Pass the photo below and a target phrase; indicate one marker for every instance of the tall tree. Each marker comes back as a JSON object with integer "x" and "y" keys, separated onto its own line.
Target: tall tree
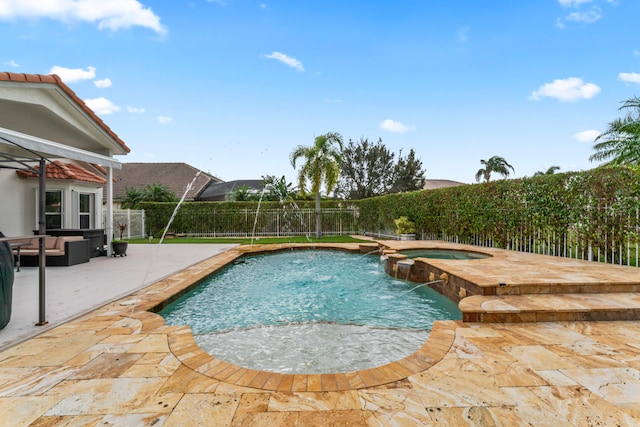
{"x": 321, "y": 167}
{"x": 408, "y": 174}
{"x": 620, "y": 143}
{"x": 366, "y": 171}
{"x": 495, "y": 164}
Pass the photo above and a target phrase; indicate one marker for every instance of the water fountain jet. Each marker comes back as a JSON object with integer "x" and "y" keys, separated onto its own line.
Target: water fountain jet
{"x": 255, "y": 220}
{"x": 166, "y": 229}
{"x": 424, "y": 284}
{"x": 444, "y": 277}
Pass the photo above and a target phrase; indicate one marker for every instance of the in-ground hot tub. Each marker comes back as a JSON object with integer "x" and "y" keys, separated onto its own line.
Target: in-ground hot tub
{"x": 440, "y": 253}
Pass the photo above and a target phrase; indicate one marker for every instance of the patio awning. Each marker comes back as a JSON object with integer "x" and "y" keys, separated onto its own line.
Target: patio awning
{"x": 53, "y": 149}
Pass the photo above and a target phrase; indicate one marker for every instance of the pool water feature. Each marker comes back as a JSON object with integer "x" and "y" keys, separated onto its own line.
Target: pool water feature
{"x": 309, "y": 311}
{"x": 443, "y": 254}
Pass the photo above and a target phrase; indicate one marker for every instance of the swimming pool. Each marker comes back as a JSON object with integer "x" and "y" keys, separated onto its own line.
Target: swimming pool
{"x": 309, "y": 311}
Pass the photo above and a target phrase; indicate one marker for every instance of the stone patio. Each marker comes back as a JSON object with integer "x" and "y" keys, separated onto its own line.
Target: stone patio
{"x": 121, "y": 365}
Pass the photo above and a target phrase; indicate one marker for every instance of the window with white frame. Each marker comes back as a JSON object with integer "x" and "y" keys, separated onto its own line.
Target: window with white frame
{"x": 54, "y": 209}
{"x": 85, "y": 210}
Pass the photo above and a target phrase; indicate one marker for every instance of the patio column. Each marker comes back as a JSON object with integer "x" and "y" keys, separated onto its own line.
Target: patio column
{"x": 109, "y": 224}
{"x": 42, "y": 230}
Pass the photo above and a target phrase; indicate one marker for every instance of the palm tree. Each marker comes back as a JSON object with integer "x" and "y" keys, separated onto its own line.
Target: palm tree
{"x": 321, "y": 166}
{"x": 155, "y": 192}
{"x": 278, "y": 189}
{"x": 132, "y": 198}
{"x": 242, "y": 193}
{"x": 549, "y": 171}
{"x": 621, "y": 141}
{"x": 495, "y": 164}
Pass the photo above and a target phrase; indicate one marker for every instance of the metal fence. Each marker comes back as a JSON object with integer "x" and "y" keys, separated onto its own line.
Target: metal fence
{"x": 264, "y": 222}
{"x": 597, "y": 233}
{"x": 135, "y": 220}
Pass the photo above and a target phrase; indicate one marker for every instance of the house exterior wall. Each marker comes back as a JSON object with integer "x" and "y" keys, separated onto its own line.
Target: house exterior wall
{"x": 14, "y": 208}
{"x": 19, "y": 202}
{"x": 45, "y": 117}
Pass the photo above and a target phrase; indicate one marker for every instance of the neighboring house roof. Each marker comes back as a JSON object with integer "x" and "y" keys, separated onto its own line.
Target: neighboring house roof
{"x": 217, "y": 191}
{"x": 432, "y": 184}
{"x": 42, "y": 122}
{"x": 59, "y": 170}
{"x": 176, "y": 176}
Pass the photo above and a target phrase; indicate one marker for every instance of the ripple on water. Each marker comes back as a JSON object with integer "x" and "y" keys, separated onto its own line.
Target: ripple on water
{"x": 317, "y": 348}
{"x": 309, "y": 312}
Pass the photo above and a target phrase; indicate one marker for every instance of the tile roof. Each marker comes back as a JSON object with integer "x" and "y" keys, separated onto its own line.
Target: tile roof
{"x": 432, "y": 184}
{"x": 176, "y": 176}
{"x": 217, "y": 191}
{"x": 56, "y": 80}
{"x": 59, "y": 170}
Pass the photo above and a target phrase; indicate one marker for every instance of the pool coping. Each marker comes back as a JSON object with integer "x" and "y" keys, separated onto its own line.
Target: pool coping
{"x": 113, "y": 365}
{"x": 182, "y": 344}
{"x": 185, "y": 349}
{"x": 562, "y": 276}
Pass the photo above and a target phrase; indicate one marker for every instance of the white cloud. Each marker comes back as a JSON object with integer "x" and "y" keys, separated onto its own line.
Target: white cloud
{"x": 570, "y": 89}
{"x": 393, "y": 126}
{"x": 164, "y": 120}
{"x": 108, "y": 14}
{"x": 263, "y": 6}
{"x": 629, "y": 77}
{"x": 11, "y": 63}
{"x": 636, "y": 52}
{"x": 102, "y": 83}
{"x": 291, "y": 62}
{"x": 134, "y": 109}
{"x": 588, "y": 17}
{"x": 102, "y": 106}
{"x": 586, "y": 135}
{"x": 573, "y": 3}
{"x": 72, "y": 75}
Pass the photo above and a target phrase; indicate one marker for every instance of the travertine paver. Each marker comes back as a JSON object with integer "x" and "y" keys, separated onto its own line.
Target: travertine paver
{"x": 120, "y": 365}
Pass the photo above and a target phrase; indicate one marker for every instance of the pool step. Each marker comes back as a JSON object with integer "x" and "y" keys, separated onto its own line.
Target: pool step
{"x": 600, "y": 287}
{"x": 550, "y": 307}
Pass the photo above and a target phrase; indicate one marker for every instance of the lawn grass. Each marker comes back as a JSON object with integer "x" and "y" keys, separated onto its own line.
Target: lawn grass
{"x": 248, "y": 240}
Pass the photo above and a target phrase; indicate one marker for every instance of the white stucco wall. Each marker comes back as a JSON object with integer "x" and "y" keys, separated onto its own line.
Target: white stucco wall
{"x": 14, "y": 209}
{"x": 18, "y": 202}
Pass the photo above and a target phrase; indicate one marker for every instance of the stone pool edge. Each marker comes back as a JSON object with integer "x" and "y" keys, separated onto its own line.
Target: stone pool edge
{"x": 183, "y": 346}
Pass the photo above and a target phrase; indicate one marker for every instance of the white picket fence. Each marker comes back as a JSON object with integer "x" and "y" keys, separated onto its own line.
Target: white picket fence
{"x": 135, "y": 220}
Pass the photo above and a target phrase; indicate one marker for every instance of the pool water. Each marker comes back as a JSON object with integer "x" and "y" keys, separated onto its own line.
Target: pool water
{"x": 443, "y": 254}
{"x": 309, "y": 312}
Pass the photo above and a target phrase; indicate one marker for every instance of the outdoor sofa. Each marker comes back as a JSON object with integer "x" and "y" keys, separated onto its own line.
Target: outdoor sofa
{"x": 59, "y": 251}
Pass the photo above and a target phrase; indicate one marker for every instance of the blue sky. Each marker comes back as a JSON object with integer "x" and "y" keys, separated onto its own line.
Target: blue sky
{"x": 232, "y": 87}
